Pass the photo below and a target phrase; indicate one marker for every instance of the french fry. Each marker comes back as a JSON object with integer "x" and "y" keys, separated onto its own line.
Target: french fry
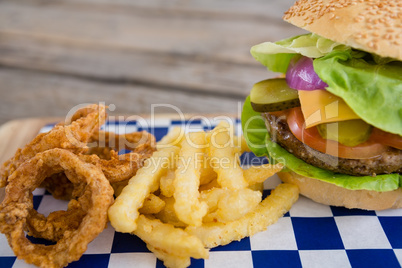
{"x": 211, "y": 197}
{"x": 152, "y": 205}
{"x": 212, "y": 184}
{"x": 266, "y": 213}
{"x": 169, "y": 260}
{"x": 170, "y": 240}
{"x": 123, "y": 214}
{"x": 223, "y": 158}
{"x": 187, "y": 205}
{"x": 226, "y": 205}
{"x": 234, "y": 204}
{"x": 172, "y": 138}
{"x": 257, "y": 187}
{"x": 207, "y": 173}
{"x": 168, "y": 214}
{"x": 258, "y": 174}
{"x": 167, "y": 183}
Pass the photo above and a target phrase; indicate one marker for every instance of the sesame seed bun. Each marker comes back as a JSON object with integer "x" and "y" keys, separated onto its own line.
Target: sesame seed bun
{"x": 374, "y": 26}
{"x": 330, "y": 194}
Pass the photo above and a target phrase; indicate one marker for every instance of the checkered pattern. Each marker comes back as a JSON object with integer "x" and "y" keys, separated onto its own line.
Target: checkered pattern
{"x": 309, "y": 235}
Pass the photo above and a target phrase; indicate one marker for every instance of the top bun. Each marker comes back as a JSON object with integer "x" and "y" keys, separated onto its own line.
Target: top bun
{"x": 371, "y": 25}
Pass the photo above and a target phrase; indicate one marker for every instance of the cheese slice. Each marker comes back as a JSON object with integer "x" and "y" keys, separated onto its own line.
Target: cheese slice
{"x": 321, "y": 106}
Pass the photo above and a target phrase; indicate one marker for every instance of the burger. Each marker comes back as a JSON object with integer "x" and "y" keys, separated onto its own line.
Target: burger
{"x": 333, "y": 118}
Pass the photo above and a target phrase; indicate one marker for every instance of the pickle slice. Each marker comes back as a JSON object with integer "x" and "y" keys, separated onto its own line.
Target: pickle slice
{"x": 349, "y": 132}
{"x": 273, "y": 95}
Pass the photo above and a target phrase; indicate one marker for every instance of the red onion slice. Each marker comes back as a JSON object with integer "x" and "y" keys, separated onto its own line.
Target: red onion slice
{"x": 301, "y": 75}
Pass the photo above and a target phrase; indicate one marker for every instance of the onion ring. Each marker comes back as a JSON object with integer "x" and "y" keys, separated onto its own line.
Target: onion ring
{"x": 54, "y": 226}
{"x": 122, "y": 167}
{"x": 73, "y": 136}
{"x": 59, "y": 186}
{"x": 97, "y": 196}
{"x": 129, "y": 141}
{"x": 56, "y": 223}
{"x": 117, "y": 168}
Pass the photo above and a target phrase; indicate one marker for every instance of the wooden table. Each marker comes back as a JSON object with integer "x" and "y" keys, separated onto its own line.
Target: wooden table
{"x": 192, "y": 55}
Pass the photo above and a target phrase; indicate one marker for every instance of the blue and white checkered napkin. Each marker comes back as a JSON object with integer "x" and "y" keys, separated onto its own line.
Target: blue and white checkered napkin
{"x": 309, "y": 235}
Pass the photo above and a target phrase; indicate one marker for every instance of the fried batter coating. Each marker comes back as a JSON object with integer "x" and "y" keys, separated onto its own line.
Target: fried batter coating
{"x": 73, "y": 136}
{"x": 117, "y": 168}
{"x": 87, "y": 214}
{"x": 122, "y": 167}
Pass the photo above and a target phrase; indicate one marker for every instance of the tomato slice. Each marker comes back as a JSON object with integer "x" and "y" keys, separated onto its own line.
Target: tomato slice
{"x": 387, "y": 138}
{"x": 312, "y": 138}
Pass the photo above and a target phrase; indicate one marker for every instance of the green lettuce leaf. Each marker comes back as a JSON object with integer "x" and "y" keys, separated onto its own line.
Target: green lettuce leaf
{"x": 353, "y": 75}
{"x": 276, "y": 56}
{"x": 356, "y": 76}
{"x": 257, "y": 139}
{"x": 254, "y": 129}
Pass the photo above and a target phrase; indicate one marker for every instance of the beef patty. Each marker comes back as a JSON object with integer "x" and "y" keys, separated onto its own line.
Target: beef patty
{"x": 388, "y": 162}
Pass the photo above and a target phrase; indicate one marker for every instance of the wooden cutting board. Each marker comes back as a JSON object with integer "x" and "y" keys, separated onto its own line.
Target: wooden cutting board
{"x": 16, "y": 133}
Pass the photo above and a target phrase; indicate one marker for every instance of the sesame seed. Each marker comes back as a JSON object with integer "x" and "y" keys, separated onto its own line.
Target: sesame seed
{"x": 357, "y": 19}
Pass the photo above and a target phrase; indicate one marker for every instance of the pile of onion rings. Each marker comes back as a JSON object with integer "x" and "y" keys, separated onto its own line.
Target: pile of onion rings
{"x": 62, "y": 161}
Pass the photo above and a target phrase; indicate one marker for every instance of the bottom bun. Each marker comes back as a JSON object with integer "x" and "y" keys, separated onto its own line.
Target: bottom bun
{"x": 330, "y": 194}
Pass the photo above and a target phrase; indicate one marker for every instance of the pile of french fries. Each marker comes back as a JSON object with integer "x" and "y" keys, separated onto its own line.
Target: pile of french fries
{"x": 193, "y": 195}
